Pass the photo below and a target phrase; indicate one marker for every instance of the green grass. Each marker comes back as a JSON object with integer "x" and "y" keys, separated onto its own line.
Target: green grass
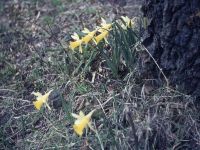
{"x": 126, "y": 116}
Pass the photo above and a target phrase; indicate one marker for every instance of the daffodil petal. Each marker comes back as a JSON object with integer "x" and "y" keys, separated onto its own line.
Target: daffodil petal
{"x": 123, "y": 18}
{"x": 106, "y": 26}
{"x": 75, "y": 36}
{"x": 48, "y": 106}
{"x": 81, "y": 114}
{"x": 37, "y": 94}
{"x": 80, "y": 49}
{"x": 49, "y": 92}
{"x": 44, "y": 98}
{"x": 75, "y": 116}
{"x": 91, "y": 113}
{"x": 85, "y": 30}
{"x": 128, "y": 21}
{"x": 103, "y": 21}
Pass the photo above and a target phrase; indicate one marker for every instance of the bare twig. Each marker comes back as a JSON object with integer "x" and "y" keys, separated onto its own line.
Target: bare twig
{"x": 161, "y": 71}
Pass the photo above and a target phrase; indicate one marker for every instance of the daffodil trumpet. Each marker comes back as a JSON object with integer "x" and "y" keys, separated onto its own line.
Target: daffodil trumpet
{"x": 89, "y": 35}
{"x": 77, "y": 42}
{"x": 101, "y": 36}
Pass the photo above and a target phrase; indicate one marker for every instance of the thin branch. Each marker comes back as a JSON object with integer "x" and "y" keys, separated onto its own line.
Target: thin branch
{"x": 167, "y": 81}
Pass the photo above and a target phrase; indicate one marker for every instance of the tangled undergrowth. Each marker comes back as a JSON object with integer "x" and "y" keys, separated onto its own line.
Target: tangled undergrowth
{"x": 122, "y": 111}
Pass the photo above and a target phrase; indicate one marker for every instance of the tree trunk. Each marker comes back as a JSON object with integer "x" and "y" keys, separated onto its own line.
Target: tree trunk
{"x": 172, "y": 37}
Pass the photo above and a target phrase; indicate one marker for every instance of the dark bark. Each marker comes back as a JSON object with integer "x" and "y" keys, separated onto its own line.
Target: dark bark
{"x": 173, "y": 38}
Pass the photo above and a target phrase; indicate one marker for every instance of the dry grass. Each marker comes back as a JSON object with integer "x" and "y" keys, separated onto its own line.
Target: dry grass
{"x": 128, "y": 116}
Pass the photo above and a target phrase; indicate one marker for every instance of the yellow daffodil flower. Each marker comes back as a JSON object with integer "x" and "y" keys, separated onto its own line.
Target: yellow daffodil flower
{"x": 104, "y": 30}
{"x": 41, "y": 99}
{"x": 105, "y": 26}
{"x": 76, "y": 43}
{"x": 89, "y": 35}
{"x": 82, "y": 122}
{"x": 101, "y": 36}
{"x": 128, "y": 22}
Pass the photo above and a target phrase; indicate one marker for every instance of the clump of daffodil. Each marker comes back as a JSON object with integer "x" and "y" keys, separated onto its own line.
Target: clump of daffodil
{"x": 127, "y": 21}
{"x": 82, "y": 121}
{"x": 103, "y": 30}
{"x": 41, "y": 99}
{"x": 76, "y": 43}
{"x": 89, "y": 35}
